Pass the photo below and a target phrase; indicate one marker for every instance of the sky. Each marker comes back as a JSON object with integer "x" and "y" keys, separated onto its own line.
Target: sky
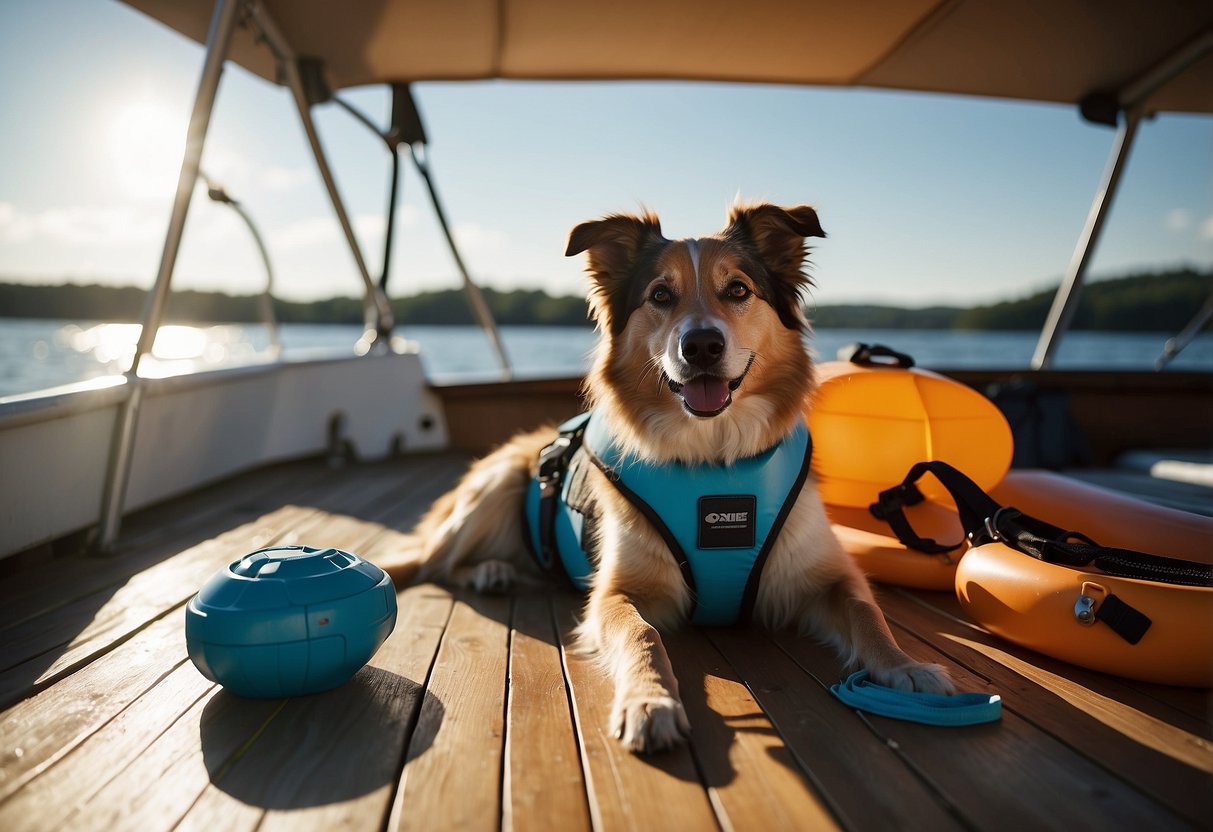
{"x": 927, "y": 199}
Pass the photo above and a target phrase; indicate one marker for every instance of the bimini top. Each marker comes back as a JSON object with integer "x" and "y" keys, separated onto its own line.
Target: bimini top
{"x": 1066, "y": 51}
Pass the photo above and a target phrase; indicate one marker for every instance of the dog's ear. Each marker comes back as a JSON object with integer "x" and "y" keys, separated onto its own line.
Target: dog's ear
{"x": 775, "y": 237}
{"x": 618, "y": 247}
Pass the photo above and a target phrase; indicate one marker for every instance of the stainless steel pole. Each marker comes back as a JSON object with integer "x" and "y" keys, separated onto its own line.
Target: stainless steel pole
{"x": 1132, "y": 99}
{"x": 480, "y": 307}
{"x": 218, "y": 38}
{"x": 378, "y": 311}
{"x": 1065, "y": 302}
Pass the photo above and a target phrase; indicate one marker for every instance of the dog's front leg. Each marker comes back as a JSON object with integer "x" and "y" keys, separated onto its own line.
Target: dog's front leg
{"x": 862, "y": 626}
{"x": 647, "y": 714}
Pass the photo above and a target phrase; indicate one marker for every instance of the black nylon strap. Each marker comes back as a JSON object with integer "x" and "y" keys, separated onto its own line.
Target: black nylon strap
{"x": 752, "y": 583}
{"x": 984, "y": 520}
{"x": 1127, "y": 622}
{"x": 554, "y": 461}
{"x": 671, "y": 542}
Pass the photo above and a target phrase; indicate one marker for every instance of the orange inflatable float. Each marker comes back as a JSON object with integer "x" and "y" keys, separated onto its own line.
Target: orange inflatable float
{"x": 1060, "y": 610}
{"x": 872, "y": 417}
{"x": 1102, "y": 603}
{"x": 1142, "y": 616}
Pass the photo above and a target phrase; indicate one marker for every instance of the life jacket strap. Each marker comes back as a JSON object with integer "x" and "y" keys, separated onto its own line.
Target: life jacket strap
{"x": 554, "y": 461}
{"x": 985, "y": 521}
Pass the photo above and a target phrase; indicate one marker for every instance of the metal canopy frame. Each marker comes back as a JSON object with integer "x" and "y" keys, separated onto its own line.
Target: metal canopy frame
{"x": 1130, "y": 102}
{"x": 227, "y": 15}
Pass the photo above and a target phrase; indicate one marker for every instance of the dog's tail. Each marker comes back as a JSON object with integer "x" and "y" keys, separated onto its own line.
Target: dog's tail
{"x": 480, "y": 520}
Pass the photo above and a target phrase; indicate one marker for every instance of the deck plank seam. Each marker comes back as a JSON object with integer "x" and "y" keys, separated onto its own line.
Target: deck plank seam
{"x": 42, "y": 684}
{"x": 894, "y": 748}
{"x": 503, "y": 809}
{"x": 718, "y": 808}
{"x": 1129, "y": 684}
{"x": 1028, "y": 719}
{"x": 391, "y": 818}
{"x": 112, "y": 775}
{"x": 595, "y": 814}
{"x": 71, "y": 745}
{"x": 806, "y": 770}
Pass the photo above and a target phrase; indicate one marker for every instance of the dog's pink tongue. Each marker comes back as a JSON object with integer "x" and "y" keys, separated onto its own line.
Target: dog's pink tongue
{"x": 706, "y": 394}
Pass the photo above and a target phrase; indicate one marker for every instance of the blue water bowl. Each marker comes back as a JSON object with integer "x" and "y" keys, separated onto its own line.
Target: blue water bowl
{"x": 289, "y": 620}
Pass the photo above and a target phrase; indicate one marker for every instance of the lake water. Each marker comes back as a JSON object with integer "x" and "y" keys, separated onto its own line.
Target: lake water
{"x": 37, "y": 354}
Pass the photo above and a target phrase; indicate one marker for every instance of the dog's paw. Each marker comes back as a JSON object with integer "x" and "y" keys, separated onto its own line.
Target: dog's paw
{"x": 647, "y": 724}
{"x": 925, "y": 678}
{"x": 490, "y": 576}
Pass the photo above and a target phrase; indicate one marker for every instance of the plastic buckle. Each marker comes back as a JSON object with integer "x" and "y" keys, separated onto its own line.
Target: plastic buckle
{"x": 990, "y": 528}
{"x": 1084, "y": 610}
{"x": 1087, "y": 605}
{"x": 894, "y": 499}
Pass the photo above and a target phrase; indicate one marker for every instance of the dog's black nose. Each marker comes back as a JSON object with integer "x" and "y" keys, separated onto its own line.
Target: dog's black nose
{"x": 702, "y": 347}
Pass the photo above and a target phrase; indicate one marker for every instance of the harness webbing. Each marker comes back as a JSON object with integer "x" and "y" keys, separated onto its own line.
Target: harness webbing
{"x": 718, "y": 523}
{"x": 986, "y": 521}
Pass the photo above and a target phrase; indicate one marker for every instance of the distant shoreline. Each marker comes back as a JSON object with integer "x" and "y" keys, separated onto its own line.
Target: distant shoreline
{"x": 1162, "y": 302}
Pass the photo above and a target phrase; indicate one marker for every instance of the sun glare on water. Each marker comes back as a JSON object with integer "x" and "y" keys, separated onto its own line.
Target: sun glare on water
{"x": 178, "y": 349}
{"x": 146, "y": 144}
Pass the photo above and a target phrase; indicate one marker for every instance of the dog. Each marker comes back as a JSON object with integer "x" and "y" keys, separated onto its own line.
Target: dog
{"x": 702, "y": 362}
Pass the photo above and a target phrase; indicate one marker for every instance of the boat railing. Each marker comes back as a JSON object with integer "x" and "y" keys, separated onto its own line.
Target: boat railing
{"x": 1123, "y": 107}
{"x": 377, "y": 336}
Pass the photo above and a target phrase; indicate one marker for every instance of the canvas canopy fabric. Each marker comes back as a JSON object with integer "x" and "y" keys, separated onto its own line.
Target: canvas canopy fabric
{"x": 1041, "y": 50}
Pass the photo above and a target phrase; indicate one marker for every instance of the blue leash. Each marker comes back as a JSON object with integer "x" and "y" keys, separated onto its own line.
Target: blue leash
{"x": 927, "y": 708}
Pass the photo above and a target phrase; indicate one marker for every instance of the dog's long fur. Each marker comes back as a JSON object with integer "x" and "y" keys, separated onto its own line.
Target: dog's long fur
{"x": 722, "y": 312}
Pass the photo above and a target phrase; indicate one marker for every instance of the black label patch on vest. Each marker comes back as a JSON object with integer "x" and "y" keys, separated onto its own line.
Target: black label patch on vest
{"x": 727, "y": 522}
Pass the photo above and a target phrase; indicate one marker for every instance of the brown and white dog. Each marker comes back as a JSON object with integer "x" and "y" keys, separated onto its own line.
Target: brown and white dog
{"x": 702, "y": 358}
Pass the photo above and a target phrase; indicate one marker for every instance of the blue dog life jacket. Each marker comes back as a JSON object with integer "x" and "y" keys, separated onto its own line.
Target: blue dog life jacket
{"x": 719, "y": 522}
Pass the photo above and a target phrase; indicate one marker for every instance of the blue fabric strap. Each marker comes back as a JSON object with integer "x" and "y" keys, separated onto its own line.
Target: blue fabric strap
{"x": 927, "y": 708}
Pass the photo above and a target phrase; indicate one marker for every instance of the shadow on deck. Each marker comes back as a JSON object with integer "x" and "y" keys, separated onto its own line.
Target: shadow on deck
{"x": 477, "y": 714}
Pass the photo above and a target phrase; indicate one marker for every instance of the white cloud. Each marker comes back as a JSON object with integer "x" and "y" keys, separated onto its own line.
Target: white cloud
{"x": 325, "y": 231}
{"x": 14, "y": 228}
{"x": 305, "y": 233}
{"x": 476, "y": 240}
{"x": 1178, "y": 220}
{"x": 82, "y": 225}
{"x": 284, "y": 179}
{"x": 1206, "y": 228}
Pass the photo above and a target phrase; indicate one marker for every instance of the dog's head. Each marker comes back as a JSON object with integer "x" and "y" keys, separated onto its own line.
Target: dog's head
{"x": 702, "y": 355}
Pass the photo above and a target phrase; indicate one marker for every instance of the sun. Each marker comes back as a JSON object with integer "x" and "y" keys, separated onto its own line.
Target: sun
{"x": 146, "y": 144}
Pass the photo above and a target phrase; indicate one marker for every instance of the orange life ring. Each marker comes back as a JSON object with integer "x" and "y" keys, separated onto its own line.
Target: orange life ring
{"x": 1032, "y": 603}
{"x": 871, "y": 422}
{"x": 884, "y": 558}
{"x": 1037, "y": 605}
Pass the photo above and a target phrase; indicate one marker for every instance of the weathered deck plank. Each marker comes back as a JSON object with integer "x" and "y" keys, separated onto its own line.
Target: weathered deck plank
{"x": 476, "y": 713}
{"x": 452, "y": 773}
{"x": 627, "y": 791}
{"x": 1069, "y": 791}
{"x": 753, "y": 779}
{"x": 1159, "y": 757}
{"x": 836, "y": 750}
{"x": 544, "y": 787}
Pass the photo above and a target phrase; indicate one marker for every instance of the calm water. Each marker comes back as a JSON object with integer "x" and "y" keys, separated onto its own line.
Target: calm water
{"x": 38, "y": 354}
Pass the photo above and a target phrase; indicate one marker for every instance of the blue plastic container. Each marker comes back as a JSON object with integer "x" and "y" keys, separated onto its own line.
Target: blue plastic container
{"x": 289, "y": 620}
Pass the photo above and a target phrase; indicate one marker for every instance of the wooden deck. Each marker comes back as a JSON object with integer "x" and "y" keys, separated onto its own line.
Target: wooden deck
{"x": 474, "y": 715}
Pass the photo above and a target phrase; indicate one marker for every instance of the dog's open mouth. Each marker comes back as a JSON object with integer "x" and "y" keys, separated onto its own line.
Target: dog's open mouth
{"x": 707, "y": 394}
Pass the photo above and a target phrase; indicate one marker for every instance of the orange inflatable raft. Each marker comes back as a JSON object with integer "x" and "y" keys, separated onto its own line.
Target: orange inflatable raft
{"x": 872, "y": 421}
{"x": 874, "y": 416}
{"x": 1058, "y": 610}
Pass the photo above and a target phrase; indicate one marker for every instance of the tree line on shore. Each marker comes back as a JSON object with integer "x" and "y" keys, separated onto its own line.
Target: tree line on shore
{"x": 1155, "y": 302}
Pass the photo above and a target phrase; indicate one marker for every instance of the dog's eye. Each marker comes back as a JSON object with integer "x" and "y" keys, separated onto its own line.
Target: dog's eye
{"x": 661, "y": 296}
{"x": 737, "y": 291}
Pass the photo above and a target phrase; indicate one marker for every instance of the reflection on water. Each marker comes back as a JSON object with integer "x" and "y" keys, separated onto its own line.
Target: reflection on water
{"x": 178, "y": 349}
{"x": 37, "y": 354}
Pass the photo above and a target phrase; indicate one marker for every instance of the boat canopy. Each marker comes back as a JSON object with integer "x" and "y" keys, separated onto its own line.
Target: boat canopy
{"x": 1087, "y": 52}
